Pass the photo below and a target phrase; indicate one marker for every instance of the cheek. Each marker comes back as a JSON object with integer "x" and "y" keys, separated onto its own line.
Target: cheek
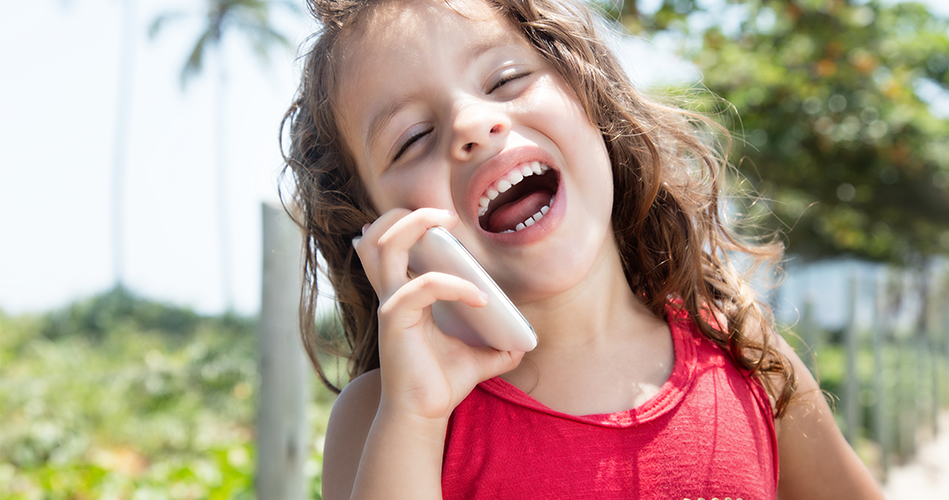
{"x": 413, "y": 188}
{"x": 554, "y": 97}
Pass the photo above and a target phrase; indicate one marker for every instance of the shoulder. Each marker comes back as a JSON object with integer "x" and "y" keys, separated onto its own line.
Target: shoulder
{"x": 360, "y": 395}
{"x": 816, "y": 460}
{"x": 349, "y": 424}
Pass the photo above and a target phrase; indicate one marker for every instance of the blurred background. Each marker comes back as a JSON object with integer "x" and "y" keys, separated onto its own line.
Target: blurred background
{"x": 139, "y": 140}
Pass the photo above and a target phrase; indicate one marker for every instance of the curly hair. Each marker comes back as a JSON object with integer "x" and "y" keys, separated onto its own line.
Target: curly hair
{"x": 668, "y": 170}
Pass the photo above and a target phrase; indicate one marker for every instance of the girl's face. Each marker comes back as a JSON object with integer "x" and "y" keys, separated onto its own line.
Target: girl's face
{"x": 450, "y": 107}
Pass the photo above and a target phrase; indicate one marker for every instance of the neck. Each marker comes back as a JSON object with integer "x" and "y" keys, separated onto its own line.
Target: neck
{"x": 598, "y": 308}
{"x": 599, "y": 348}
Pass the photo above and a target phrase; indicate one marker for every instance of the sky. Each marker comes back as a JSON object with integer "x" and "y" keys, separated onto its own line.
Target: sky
{"x": 58, "y": 98}
{"x": 58, "y": 95}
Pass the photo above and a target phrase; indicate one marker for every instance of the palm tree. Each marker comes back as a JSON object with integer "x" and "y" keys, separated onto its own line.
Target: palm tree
{"x": 251, "y": 18}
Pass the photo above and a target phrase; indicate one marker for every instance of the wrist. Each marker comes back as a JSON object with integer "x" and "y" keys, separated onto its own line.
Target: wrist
{"x": 412, "y": 417}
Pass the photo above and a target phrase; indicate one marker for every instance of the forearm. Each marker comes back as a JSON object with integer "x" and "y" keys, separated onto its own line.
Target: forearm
{"x": 402, "y": 458}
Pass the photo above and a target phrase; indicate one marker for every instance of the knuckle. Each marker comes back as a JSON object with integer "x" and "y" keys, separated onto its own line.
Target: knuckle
{"x": 426, "y": 281}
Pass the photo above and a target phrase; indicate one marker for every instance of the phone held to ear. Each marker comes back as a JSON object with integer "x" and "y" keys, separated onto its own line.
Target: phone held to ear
{"x": 498, "y": 324}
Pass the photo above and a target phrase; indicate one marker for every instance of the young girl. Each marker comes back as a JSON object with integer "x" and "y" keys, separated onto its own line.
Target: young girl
{"x": 657, "y": 374}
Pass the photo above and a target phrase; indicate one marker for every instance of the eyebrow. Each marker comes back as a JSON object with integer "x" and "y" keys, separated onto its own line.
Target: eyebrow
{"x": 385, "y": 115}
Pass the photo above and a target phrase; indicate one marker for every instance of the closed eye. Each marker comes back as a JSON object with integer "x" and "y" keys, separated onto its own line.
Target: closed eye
{"x": 408, "y": 143}
{"x": 507, "y": 79}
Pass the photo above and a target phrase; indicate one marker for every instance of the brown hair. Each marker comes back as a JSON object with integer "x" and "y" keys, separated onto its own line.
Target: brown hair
{"x": 667, "y": 172}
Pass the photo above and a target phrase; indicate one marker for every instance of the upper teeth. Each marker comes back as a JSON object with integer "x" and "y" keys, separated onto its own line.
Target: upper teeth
{"x": 523, "y": 170}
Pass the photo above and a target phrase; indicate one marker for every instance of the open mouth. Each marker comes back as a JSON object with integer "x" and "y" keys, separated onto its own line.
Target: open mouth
{"x": 518, "y": 200}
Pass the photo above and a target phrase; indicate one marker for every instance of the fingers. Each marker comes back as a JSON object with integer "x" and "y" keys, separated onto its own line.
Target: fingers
{"x": 493, "y": 362}
{"x": 425, "y": 370}
{"x": 402, "y": 310}
{"x": 383, "y": 249}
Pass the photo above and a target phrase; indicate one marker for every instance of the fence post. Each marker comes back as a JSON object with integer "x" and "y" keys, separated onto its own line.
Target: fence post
{"x": 281, "y": 415}
{"x": 932, "y": 344}
{"x": 852, "y": 383}
{"x": 881, "y": 325}
{"x": 810, "y": 336}
{"x": 938, "y": 339}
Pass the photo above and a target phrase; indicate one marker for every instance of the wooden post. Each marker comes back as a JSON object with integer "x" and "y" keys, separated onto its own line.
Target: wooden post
{"x": 282, "y": 438}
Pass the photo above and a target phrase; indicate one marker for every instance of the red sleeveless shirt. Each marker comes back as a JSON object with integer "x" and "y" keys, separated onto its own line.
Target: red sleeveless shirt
{"x": 708, "y": 434}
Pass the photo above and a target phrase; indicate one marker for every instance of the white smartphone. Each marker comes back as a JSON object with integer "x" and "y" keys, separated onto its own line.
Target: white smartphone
{"x": 498, "y": 324}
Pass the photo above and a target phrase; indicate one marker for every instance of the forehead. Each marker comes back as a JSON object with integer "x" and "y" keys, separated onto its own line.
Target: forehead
{"x": 400, "y": 45}
{"x": 395, "y": 25}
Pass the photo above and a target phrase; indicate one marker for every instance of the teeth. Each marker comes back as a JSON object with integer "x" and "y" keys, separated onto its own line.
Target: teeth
{"x": 535, "y": 218}
{"x": 515, "y": 177}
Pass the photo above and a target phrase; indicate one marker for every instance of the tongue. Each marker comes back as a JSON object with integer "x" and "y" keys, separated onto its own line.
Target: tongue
{"x": 513, "y": 213}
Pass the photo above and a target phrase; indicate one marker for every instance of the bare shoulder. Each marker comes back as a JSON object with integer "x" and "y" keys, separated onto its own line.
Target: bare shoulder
{"x": 816, "y": 460}
{"x": 349, "y": 424}
{"x": 359, "y": 397}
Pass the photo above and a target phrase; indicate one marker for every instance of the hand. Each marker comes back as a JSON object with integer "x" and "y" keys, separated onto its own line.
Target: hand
{"x": 425, "y": 373}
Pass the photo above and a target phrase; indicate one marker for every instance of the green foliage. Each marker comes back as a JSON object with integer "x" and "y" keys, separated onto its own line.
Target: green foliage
{"x": 118, "y": 397}
{"x": 827, "y": 100}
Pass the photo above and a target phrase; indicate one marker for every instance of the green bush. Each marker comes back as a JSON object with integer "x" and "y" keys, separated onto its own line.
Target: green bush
{"x": 119, "y": 397}
{"x": 115, "y": 309}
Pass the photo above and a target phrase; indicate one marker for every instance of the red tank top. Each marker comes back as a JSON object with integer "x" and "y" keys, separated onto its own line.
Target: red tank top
{"x": 708, "y": 434}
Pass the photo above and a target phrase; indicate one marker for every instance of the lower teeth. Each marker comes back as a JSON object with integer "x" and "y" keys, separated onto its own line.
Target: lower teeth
{"x": 533, "y": 219}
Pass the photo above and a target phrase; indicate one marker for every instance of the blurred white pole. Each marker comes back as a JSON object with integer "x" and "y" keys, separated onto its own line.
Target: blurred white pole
{"x": 120, "y": 136}
{"x": 221, "y": 177}
{"x": 282, "y": 437}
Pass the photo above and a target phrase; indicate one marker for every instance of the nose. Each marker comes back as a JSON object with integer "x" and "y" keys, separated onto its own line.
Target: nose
{"x": 479, "y": 128}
